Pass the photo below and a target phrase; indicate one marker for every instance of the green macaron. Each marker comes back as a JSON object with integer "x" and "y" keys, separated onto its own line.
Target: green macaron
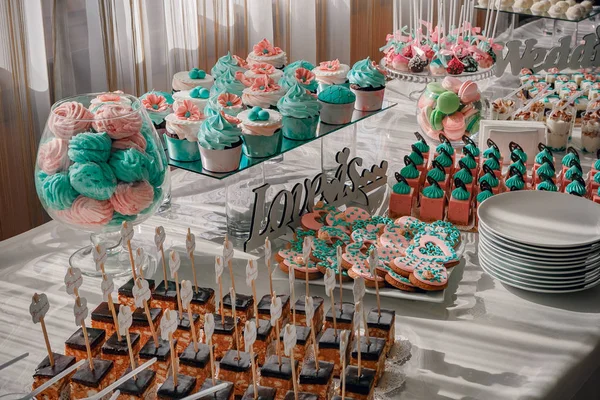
{"x": 435, "y": 119}
{"x": 448, "y": 102}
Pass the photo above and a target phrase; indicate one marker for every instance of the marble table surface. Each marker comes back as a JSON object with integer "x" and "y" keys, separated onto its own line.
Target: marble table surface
{"x": 485, "y": 341}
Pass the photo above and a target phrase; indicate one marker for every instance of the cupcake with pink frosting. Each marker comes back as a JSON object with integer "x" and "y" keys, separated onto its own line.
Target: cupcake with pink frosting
{"x": 331, "y": 73}
{"x": 261, "y": 132}
{"x": 260, "y": 69}
{"x": 301, "y": 76}
{"x": 265, "y": 52}
{"x": 263, "y": 92}
{"x": 229, "y": 103}
{"x": 158, "y": 105}
{"x": 182, "y": 130}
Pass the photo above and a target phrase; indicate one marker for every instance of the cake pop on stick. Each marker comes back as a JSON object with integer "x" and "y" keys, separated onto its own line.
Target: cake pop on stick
{"x": 174, "y": 265}
{"x": 289, "y": 342}
{"x": 126, "y": 237}
{"x": 38, "y": 309}
{"x": 228, "y": 259}
{"x": 310, "y": 311}
{"x": 80, "y": 311}
{"x": 292, "y": 279}
{"x": 190, "y": 247}
{"x": 249, "y": 339}
{"x": 141, "y": 295}
{"x": 237, "y": 336}
{"x": 186, "y": 298}
{"x": 218, "y": 275}
{"x": 373, "y": 262}
{"x": 329, "y": 280}
{"x": 268, "y": 255}
{"x": 125, "y": 320}
{"x": 168, "y": 325}
{"x": 159, "y": 241}
{"x": 275, "y": 309}
{"x": 343, "y": 350}
{"x": 209, "y": 329}
{"x": 251, "y": 275}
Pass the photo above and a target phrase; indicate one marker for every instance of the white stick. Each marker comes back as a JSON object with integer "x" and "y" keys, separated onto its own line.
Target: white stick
{"x": 460, "y": 18}
{"x": 487, "y": 16}
{"x": 410, "y": 20}
{"x": 14, "y": 360}
{"x": 115, "y": 395}
{"x": 119, "y": 382}
{"x": 420, "y": 19}
{"x": 53, "y": 380}
{"x": 206, "y": 392}
{"x": 495, "y": 23}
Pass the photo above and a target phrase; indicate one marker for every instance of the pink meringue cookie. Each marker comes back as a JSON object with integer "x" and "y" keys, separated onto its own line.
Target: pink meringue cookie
{"x": 117, "y": 120}
{"x": 68, "y": 119}
{"x": 52, "y": 156}
{"x": 88, "y": 212}
{"x": 135, "y": 141}
{"x": 132, "y": 198}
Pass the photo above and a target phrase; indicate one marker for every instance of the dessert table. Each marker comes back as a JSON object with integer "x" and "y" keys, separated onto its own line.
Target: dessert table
{"x": 485, "y": 341}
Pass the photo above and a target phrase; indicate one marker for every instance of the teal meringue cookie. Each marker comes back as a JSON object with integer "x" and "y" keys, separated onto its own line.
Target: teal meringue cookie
{"x": 93, "y": 180}
{"x": 364, "y": 75}
{"x": 298, "y": 103}
{"x": 224, "y": 64}
{"x": 57, "y": 192}
{"x": 90, "y": 146}
{"x": 216, "y": 133}
{"x": 129, "y": 165}
{"x": 227, "y": 82}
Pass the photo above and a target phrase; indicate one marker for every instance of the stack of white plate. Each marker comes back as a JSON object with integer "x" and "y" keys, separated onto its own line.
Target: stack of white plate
{"x": 540, "y": 241}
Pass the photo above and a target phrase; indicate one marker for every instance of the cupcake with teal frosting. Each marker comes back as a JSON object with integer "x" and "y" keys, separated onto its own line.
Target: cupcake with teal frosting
{"x": 158, "y": 105}
{"x": 337, "y": 104}
{"x": 228, "y": 63}
{"x": 300, "y": 112}
{"x": 299, "y": 64}
{"x": 229, "y": 103}
{"x": 302, "y": 76}
{"x": 187, "y": 80}
{"x": 261, "y": 132}
{"x": 368, "y": 84}
{"x": 220, "y": 143}
{"x": 227, "y": 83}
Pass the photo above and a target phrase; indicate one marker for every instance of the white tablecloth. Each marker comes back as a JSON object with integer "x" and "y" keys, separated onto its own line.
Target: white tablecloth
{"x": 486, "y": 341}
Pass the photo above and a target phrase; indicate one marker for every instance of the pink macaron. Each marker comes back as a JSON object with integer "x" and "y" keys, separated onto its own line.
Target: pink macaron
{"x": 468, "y": 92}
{"x": 454, "y": 126}
{"x": 451, "y": 83}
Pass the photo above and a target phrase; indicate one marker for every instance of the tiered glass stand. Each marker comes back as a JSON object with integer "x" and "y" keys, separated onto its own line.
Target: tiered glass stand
{"x": 278, "y": 173}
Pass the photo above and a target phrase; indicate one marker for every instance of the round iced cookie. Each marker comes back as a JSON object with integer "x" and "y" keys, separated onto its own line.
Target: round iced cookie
{"x": 448, "y": 102}
{"x": 129, "y": 165}
{"x": 432, "y": 248}
{"x": 430, "y": 277}
{"x": 57, "y": 192}
{"x": 399, "y": 281}
{"x": 90, "y": 146}
{"x": 94, "y": 180}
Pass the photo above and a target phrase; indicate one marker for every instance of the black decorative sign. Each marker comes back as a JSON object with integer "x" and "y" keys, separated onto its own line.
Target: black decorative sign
{"x": 287, "y": 207}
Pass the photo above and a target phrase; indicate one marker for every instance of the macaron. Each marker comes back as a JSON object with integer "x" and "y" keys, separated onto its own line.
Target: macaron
{"x": 435, "y": 119}
{"x": 436, "y": 88}
{"x": 472, "y": 123}
{"x": 451, "y": 83}
{"x": 468, "y": 92}
{"x": 448, "y": 102}
{"x": 454, "y": 126}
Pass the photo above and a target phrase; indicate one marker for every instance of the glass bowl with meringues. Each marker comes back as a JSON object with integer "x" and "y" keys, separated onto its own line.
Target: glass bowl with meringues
{"x": 99, "y": 163}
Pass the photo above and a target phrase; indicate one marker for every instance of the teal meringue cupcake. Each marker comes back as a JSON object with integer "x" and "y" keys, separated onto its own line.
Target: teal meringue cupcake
{"x": 220, "y": 143}
{"x": 300, "y": 112}
{"x": 337, "y": 105}
{"x": 227, "y": 83}
{"x": 226, "y": 63}
{"x": 304, "y": 77}
{"x": 368, "y": 84}
{"x": 299, "y": 64}
{"x": 261, "y": 132}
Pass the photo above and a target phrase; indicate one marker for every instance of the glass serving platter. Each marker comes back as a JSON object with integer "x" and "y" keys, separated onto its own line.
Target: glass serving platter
{"x": 527, "y": 13}
{"x": 287, "y": 145}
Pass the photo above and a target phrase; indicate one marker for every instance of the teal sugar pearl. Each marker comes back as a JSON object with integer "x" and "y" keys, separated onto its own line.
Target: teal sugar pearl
{"x": 93, "y": 180}
{"x": 129, "y": 165}
{"x": 57, "y": 192}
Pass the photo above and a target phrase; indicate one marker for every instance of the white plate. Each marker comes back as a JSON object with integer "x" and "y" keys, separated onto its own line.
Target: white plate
{"x": 549, "y": 262}
{"x": 542, "y": 218}
{"x": 541, "y": 279}
{"x": 546, "y": 250}
{"x": 529, "y": 288}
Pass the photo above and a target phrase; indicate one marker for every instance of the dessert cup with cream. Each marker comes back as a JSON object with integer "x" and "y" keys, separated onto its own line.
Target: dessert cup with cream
{"x": 229, "y": 103}
{"x": 265, "y": 52}
{"x": 368, "y": 84}
{"x": 182, "y": 130}
{"x": 331, "y": 73}
{"x": 300, "y": 112}
{"x": 261, "y": 132}
{"x": 302, "y": 76}
{"x": 220, "y": 143}
{"x": 228, "y": 62}
{"x": 263, "y": 92}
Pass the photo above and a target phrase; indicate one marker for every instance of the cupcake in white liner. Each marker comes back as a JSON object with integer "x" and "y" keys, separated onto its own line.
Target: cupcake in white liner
{"x": 265, "y": 52}
{"x": 229, "y": 103}
{"x": 262, "y": 92}
{"x": 220, "y": 143}
{"x": 331, "y": 73}
{"x": 367, "y": 82}
{"x": 198, "y": 95}
{"x": 261, "y": 132}
{"x": 187, "y": 80}
{"x": 261, "y": 69}
{"x": 181, "y": 132}
{"x": 337, "y": 103}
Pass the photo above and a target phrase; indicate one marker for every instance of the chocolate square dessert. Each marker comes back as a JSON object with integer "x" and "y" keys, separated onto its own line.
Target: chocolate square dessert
{"x": 316, "y": 381}
{"x": 203, "y": 302}
{"x": 102, "y": 318}
{"x": 139, "y": 323}
{"x": 264, "y": 393}
{"x": 318, "y": 316}
{"x": 360, "y": 387}
{"x": 223, "y": 394}
{"x": 185, "y": 387}
{"x": 44, "y": 371}
{"x": 75, "y": 345}
{"x": 118, "y": 351}
{"x": 244, "y": 306}
{"x": 183, "y": 334}
{"x": 383, "y": 327}
{"x": 264, "y": 307}
{"x": 125, "y": 292}
{"x": 87, "y": 382}
{"x": 303, "y": 341}
{"x": 165, "y": 296}
{"x": 372, "y": 353}
{"x": 344, "y": 317}
{"x": 196, "y": 363}
{"x": 236, "y": 370}
{"x": 265, "y": 334}
{"x": 329, "y": 349}
{"x": 142, "y": 387}
{"x": 163, "y": 357}
{"x": 278, "y": 376}
{"x": 224, "y": 336}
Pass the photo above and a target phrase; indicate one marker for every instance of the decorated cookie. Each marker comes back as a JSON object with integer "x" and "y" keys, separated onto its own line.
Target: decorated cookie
{"x": 296, "y": 261}
{"x": 404, "y": 266}
{"x": 432, "y": 248}
{"x": 312, "y": 221}
{"x": 362, "y": 270}
{"x": 430, "y": 277}
{"x": 399, "y": 281}
{"x": 333, "y": 234}
{"x": 365, "y": 235}
{"x": 355, "y": 254}
{"x": 394, "y": 237}
{"x": 331, "y": 264}
{"x": 388, "y": 253}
